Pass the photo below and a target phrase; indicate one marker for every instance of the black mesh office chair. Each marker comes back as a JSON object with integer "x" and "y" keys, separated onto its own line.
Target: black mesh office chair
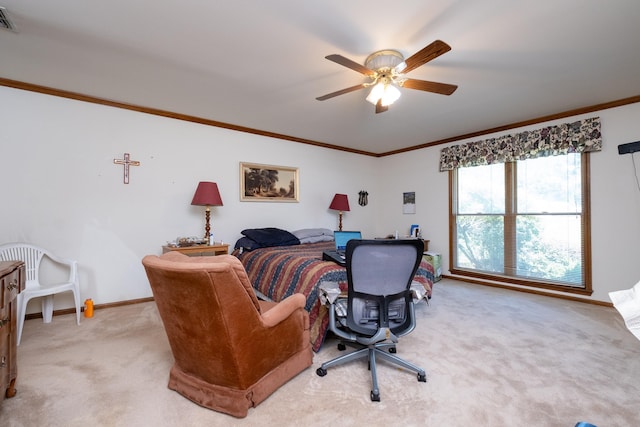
{"x": 379, "y": 304}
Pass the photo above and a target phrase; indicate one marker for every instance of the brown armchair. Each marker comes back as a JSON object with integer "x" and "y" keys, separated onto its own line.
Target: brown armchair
{"x": 230, "y": 350}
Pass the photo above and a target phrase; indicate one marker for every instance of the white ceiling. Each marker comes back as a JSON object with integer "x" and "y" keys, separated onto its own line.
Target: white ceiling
{"x": 260, "y": 64}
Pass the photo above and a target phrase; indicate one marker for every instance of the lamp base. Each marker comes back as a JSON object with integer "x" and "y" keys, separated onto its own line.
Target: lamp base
{"x": 207, "y": 226}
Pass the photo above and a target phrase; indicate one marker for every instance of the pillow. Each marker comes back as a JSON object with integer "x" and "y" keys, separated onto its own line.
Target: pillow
{"x": 316, "y": 239}
{"x": 312, "y": 232}
{"x": 270, "y": 236}
{"x": 247, "y": 244}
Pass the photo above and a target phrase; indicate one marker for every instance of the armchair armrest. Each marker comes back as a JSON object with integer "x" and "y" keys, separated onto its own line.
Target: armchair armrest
{"x": 283, "y": 309}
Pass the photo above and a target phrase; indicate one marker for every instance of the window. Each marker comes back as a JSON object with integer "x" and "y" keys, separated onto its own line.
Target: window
{"x": 524, "y": 222}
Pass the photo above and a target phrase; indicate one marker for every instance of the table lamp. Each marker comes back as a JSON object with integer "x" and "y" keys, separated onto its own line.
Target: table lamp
{"x": 340, "y": 203}
{"x": 207, "y": 194}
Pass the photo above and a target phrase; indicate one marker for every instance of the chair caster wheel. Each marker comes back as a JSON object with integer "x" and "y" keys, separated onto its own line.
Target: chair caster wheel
{"x": 342, "y": 347}
{"x": 421, "y": 378}
{"x": 375, "y": 397}
{"x": 321, "y": 372}
{"x": 392, "y": 350}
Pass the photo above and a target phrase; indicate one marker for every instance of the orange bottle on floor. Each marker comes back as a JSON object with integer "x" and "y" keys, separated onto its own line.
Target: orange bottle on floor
{"x": 88, "y": 308}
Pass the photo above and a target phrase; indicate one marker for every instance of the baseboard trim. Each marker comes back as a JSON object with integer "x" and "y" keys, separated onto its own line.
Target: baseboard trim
{"x": 95, "y": 307}
{"x": 527, "y": 290}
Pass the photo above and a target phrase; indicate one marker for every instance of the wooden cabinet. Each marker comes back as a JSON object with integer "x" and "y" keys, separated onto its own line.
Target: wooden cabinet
{"x": 199, "y": 250}
{"x": 12, "y": 277}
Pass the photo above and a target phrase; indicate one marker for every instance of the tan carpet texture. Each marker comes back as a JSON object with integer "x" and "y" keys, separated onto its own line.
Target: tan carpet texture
{"x": 493, "y": 357}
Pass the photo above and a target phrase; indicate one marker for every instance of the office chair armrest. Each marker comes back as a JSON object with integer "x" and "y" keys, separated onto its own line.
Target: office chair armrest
{"x": 283, "y": 309}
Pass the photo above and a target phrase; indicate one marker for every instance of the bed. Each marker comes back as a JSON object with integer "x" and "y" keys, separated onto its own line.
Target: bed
{"x": 277, "y": 272}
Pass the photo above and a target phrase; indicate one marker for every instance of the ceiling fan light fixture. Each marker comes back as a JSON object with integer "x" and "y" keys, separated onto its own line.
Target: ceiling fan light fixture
{"x": 376, "y": 93}
{"x": 391, "y": 95}
{"x": 384, "y": 59}
{"x": 386, "y": 93}
{"x": 384, "y": 63}
{"x": 386, "y": 71}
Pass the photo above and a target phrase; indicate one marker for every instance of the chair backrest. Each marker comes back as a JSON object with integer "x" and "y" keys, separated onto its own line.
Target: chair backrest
{"x": 31, "y": 256}
{"x": 379, "y": 276}
{"x": 231, "y": 261}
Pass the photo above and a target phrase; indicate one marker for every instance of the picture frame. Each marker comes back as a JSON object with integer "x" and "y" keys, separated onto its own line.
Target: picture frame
{"x": 268, "y": 183}
{"x": 409, "y": 202}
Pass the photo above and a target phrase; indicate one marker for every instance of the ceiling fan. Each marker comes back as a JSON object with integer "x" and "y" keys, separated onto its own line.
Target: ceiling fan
{"x": 387, "y": 69}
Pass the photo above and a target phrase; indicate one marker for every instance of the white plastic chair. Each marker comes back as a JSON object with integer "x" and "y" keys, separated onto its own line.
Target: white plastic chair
{"x": 32, "y": 257}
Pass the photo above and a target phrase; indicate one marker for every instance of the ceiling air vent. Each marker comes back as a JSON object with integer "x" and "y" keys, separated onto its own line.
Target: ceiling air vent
{"x": 5, "y": 22}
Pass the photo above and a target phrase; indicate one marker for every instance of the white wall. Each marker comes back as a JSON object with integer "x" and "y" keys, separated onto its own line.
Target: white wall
{"x": 61, "y": 189}
{"x": 615, "y": 199}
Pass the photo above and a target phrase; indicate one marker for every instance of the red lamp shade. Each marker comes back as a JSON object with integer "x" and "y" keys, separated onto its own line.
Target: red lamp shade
{"x": 340, "y": 202}
{"x": 207, "y": 194}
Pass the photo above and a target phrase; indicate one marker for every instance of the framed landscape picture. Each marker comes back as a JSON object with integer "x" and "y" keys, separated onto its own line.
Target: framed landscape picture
{"x": 266, "y": 183}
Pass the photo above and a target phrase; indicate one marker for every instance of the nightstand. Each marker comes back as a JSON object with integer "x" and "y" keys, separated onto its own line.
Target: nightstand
{"x": 199, "y": 250}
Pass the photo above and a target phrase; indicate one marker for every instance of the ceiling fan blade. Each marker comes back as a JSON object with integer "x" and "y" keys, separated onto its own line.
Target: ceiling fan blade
{"x": 346, "y": 62}
{"x": 425, "y": 55}
{"x": 341, "y": 92}
{"x": 381, "y": 108}
{"x": 435, "y": 87}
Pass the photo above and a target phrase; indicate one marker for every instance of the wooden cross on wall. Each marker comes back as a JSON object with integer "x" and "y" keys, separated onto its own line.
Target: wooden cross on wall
{"x": 126, "y": 163}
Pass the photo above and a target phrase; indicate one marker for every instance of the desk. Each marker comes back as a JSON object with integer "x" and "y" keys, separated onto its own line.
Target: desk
{"x": 199, "y": 250}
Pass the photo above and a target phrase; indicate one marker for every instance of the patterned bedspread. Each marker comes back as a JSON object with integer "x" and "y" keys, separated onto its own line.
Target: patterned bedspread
{"x": 278, "y": 272}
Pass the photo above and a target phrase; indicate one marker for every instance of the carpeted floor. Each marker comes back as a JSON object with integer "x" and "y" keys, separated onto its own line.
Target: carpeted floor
{"x": 493, "y": 358}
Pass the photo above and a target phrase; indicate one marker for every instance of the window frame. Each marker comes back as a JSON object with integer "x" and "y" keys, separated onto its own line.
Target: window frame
{"x": 510, "y": 218}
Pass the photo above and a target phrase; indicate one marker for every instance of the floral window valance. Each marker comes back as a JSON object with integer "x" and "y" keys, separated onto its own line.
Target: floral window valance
{"x": 577, "y": 137}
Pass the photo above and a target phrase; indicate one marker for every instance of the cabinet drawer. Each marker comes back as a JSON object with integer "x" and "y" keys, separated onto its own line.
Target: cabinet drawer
{"x": 10, "y": 286}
